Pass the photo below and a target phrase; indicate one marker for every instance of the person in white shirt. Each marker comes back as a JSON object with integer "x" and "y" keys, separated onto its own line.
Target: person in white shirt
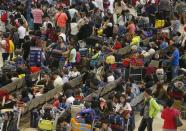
{"x": 126, "y": 107}
{"x": 73, "y": 12}
{"x": 74, "y": 73}
{"x": 74, "y": 27}
{"x": 111, "y": 6}
{"x": 58, "y": 81}
{"x": 70, "y": 100}
{"x": 110, "y": 78}
{"x": 65, "y": 76}
{"x": 45, "y": 24}
{"x": 99, "y": 4}
{"x": 21, "y": 33}
{"x": 72, "y": 56}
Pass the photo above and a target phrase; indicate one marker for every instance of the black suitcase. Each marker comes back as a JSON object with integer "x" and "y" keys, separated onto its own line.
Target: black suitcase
{"x": 34, "y": 119}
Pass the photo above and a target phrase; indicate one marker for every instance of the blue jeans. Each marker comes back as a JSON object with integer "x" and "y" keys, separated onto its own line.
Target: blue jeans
{"x": 174, "y": 70}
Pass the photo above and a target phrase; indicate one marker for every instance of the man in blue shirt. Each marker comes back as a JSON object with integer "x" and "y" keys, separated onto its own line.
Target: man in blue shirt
{"x": 174, "y": 61}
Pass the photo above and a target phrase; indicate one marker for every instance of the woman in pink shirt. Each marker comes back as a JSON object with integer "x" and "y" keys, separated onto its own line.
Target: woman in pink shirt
{"x": 131, "y": 28}
{"x": 169, "y": 114}
{"x": 37, "y": 16}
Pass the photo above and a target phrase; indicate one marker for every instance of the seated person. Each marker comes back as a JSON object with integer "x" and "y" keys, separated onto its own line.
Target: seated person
{"x": 160, "y": 93}
{"x": 74, "y": 73}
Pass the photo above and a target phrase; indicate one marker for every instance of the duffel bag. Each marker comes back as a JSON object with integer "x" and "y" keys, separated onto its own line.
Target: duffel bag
{"x": 76, "y": 109}
{"x": 159, "y": 24}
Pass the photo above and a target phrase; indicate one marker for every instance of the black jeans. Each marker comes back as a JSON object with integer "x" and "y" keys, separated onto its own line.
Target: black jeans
{"x": 5, "y": 56}
{"x": 146, "y": 122}
{"x": 37, "y": 26}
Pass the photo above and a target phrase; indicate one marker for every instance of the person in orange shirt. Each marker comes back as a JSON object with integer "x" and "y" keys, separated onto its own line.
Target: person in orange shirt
{"x": 61, "y": 20}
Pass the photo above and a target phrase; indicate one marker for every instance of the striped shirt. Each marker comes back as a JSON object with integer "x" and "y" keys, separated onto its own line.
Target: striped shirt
{"x": 37, "y": 15}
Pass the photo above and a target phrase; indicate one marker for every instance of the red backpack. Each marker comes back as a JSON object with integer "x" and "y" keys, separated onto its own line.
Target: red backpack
{"x": 7, "y": 48}
{"x": 4, "y": 17}
{"x": 78, "y": 57}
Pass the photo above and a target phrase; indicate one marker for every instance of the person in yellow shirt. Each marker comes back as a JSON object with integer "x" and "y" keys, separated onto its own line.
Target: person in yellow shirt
{"x": 11, "y": 50}
{"x": 11, "y": 47}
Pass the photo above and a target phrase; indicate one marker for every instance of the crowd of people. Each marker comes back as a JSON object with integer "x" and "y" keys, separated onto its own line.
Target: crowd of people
{"x": 102, "y": 41}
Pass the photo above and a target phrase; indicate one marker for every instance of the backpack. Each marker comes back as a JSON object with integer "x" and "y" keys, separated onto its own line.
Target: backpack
{"x": 6, "y": 46}
{"x": 4, "y": 17}
{"x": 88, "y": 115}
{"x": 62, "y": 106}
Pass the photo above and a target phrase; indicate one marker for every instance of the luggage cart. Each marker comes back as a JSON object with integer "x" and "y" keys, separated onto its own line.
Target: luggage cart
{"x": 16, "y": 117}
{"x": 136, "y": 71}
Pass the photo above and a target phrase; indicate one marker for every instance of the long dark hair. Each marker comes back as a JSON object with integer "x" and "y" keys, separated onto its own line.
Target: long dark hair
{"x": 125, "y": 97}
{"x": 118, "y": 2}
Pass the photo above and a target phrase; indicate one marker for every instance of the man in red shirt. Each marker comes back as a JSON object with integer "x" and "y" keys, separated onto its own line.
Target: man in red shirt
{"x": 61, "y": 20}
{"x": 34, "y": 69}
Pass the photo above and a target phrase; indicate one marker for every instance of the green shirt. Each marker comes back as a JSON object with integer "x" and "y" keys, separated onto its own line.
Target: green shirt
{"x": 154, "y": 107}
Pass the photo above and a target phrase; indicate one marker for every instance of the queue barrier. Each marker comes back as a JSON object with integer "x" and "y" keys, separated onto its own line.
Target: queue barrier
{"x": 41, "y": 100}
{"x": 18, "y": 84}
{"x": 103, "y": 90}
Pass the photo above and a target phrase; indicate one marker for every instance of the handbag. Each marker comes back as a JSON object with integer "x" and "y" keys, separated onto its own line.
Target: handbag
{"x": 178, "y": 121}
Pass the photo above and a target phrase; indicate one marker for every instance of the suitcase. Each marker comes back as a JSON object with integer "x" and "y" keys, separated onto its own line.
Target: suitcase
{"x": 76, "y": 109}
{"x": 34, "y": 119}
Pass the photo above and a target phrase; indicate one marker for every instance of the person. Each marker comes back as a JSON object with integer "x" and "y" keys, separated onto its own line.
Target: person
{"x": 26, "y": 47}
{"x": 61, "y": 20}
{"x": 174, "y": 61}
{"x": 37, "y": 17}
{"x": 74, "y": 73}
{"x": 72, "y": 54}
{"x": 126, "y": 107}
{"x": 45, "y": 24}
{"x": 160, "y": 93}
{"x": 58, "y": 81}
{"x": 58, "y": 52}
{"x": 168, "y": 115}
{"x": 131, "y": 28}
{"x": 11, "y": 47}
{"x": 150, "y": 110}
{"x": 21, "y": 33}
{"x": 105, "y": 126}
{"x": 5, "y": 47}
{"x": 160, "y": 73}
{"x": 63, "y": 125}
{"x": 175, "y": 24}
{"x": 164, "y": 8}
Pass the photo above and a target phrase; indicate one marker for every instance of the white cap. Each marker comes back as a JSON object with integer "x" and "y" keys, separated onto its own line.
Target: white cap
{"x": 153, "y": 1}
{"x": 109, "y": 24}
{"x": 110, "y": 78}
{"x": 151, "y": 51}
{"x": 63, "y": 36}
